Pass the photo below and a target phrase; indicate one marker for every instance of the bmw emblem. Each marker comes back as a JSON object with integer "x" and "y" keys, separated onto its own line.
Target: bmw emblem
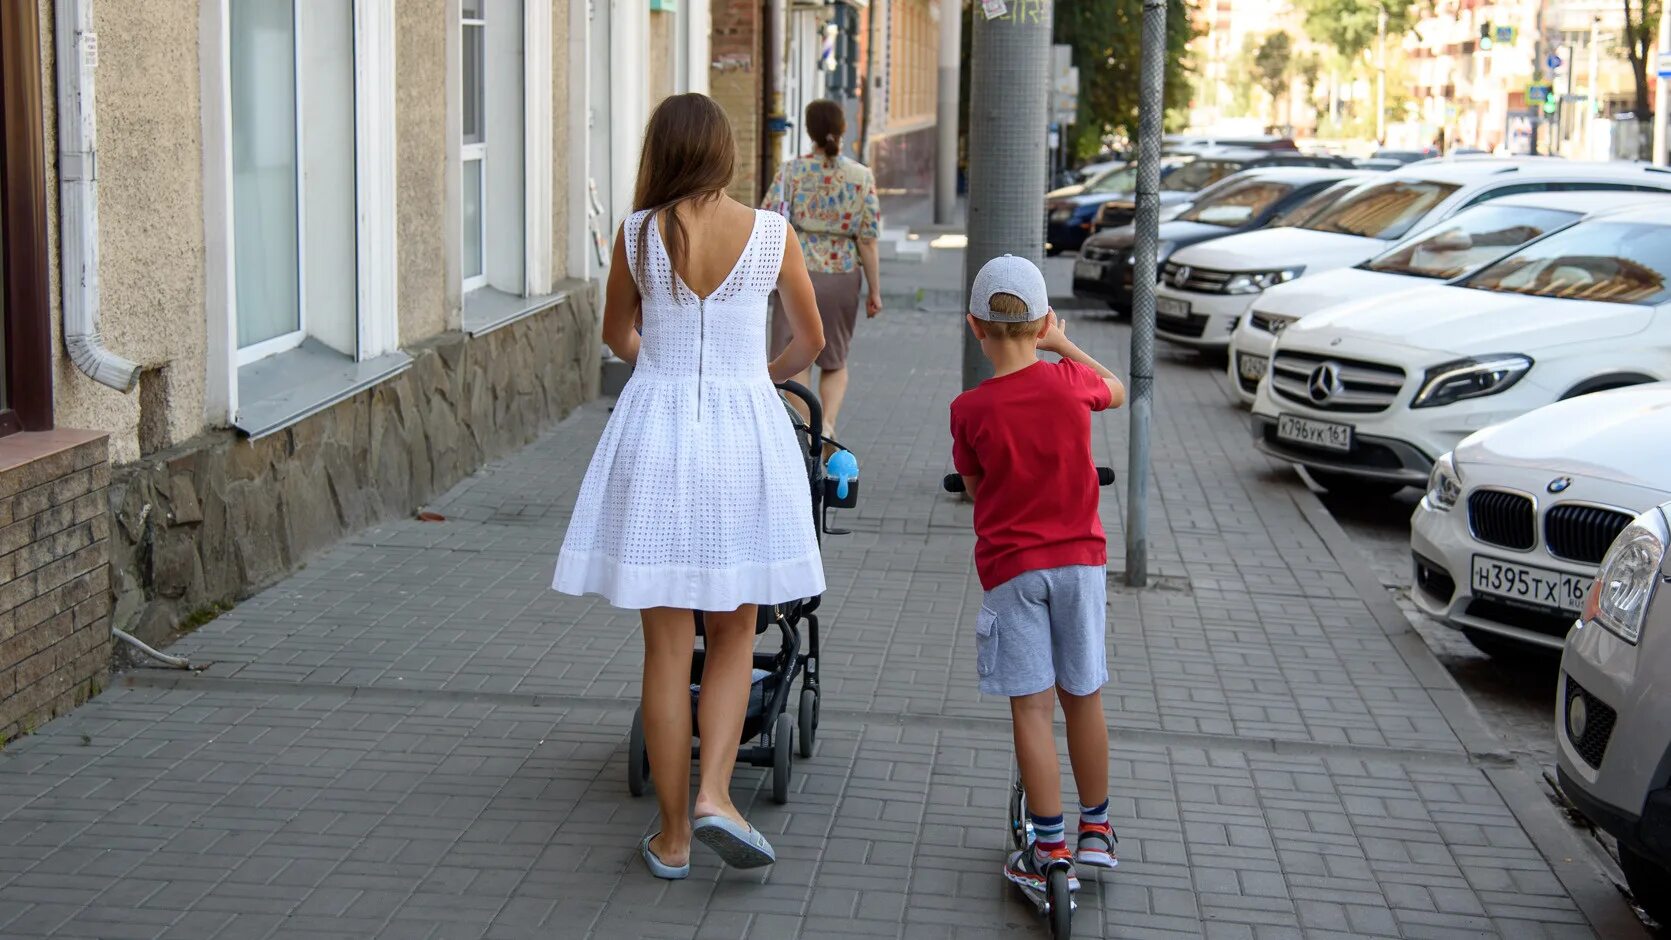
{"x": 1559, "y": 484}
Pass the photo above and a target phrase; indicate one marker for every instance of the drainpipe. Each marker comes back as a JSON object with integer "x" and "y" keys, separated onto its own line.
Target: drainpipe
{"x": 78, "y": 198}
{"x": 777, "y": 52}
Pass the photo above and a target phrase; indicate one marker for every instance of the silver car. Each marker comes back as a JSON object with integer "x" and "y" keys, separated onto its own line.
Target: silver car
{"x": 1613, "y": 709}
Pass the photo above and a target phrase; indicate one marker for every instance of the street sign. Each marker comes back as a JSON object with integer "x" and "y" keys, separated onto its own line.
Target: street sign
{"x": 1553, "y": 62}
{"x": 1505, "y": 34}
{"x": 1538, "y": 92}
{"x": 1665, "y": 65}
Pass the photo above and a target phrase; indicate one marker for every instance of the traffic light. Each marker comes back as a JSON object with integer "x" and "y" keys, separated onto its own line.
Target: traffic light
{"x": 1549, "y": 105}
{"x": 1485, "y": 37}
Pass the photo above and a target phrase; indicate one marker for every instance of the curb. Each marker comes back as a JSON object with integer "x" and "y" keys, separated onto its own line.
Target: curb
{"x": 1600, "y": 901}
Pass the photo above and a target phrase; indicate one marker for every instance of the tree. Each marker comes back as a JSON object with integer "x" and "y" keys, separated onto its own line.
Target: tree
{"x": 1641, "y": 25}
{"x": 1105, "y": 36}
{"x": 1350, "y": 25}
{"x": 1272, "y": 65}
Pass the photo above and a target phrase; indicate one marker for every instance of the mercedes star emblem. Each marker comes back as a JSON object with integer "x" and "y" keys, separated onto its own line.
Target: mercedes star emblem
{"x": 1560, "y": 484}
{"x": 1324, "y": 383}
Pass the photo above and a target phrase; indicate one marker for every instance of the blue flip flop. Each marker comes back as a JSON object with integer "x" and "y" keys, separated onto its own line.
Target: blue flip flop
{"x": 659, "y": 868}
{"x": 736, "y": 845}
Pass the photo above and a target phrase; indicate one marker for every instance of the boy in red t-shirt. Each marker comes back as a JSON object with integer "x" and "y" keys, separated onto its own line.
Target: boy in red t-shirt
{"x": 1022, "y": 442}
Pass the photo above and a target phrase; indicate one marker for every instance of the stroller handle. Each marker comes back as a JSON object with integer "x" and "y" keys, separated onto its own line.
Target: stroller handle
{"x": 815, "y": 410}
{"x": 953, "y": 483}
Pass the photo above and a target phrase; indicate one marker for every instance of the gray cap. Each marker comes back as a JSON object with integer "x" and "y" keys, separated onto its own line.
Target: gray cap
{"x": 1007, "y": 274}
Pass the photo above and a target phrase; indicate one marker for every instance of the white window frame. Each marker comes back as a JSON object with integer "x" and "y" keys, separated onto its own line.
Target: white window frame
{"x": 475, "y": 152}
{"x": 377, "y": 316}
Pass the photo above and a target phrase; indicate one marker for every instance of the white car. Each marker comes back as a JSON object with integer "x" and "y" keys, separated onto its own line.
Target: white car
{"x": 1205, "y": 289}
{"x": 1366, "y": 396}
{"x": 1516, "y": 519}
{"x": 1444, "y": 251}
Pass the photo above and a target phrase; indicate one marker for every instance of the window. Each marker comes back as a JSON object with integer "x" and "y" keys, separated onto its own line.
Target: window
{"x": 1313, "y": 205}
{"x": 1471, "y": 239}
{"x": 493, "y": 198}
{"x": 1611, "y": 262}
{"x": 293, "y": 176}
{"x": 913, "y": 62}
{"x": 1198, "y": 175}
{"x": 1237, "y": 202}
{"x": 26, "y": 341}
{"x": 474, "y": 150}
{"x": 1385, "y": 210}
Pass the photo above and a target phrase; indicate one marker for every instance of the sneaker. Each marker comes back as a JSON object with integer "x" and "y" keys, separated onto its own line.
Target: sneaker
{"x": 1024, "y": 868}
{"x": 1097, "y": 846}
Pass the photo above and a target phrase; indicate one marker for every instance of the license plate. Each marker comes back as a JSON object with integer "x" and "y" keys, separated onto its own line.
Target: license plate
{"x": 1540, "y": 586}
{"x": 1252, "y": 368}
{"x": 1171, "y": 307}
{"x": 1314, "y": 433}
{"x": 1088, "y": 270}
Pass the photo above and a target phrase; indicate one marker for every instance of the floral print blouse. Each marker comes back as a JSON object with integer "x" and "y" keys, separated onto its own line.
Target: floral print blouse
{"x": 829, "y": 207}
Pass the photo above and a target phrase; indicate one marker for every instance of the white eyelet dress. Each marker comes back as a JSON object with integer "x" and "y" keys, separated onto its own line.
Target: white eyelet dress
{"x": 697, "y": 496}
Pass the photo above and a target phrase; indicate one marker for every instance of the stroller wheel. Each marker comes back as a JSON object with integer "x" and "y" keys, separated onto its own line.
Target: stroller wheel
{"x": 808, "y": 720}
{"x": 783, "y": 744}
{"x": 638, "y": 756}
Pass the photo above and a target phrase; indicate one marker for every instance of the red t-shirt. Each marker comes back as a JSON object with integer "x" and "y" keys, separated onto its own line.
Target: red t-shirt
{"x": 1027, "y": 435}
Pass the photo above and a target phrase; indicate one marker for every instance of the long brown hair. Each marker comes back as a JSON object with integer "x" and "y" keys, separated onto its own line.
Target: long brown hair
{"x": 689, "y": 154}
{"x": 825, "y": 123}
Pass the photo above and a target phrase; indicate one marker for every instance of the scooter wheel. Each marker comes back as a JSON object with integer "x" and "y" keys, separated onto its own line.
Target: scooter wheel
{"x": 783, "y": 744}
{"x": 808, "y": 718}
{"x": 638, "y": 756}
{"x": 1061, "y": 903}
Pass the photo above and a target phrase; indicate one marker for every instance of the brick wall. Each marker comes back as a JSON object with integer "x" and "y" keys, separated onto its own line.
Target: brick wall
{"x": 735, "y": 82}
{"x": 55, "y": 598}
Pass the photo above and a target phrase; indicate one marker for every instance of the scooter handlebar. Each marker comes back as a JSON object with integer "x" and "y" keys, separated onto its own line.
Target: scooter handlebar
{"x": 953, "y": 483}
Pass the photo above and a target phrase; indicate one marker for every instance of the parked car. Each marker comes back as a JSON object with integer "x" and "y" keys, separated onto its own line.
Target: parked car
{"x": 1238, "y": 203}
{"x": 1515, "y": 520}
{"x": 1178, "y": 190}
{"x": 1405, "y": 157}
{"x": 1612, "y": 711}
{"x": 1192, "y": 143}
{"x": 1068, "y": 213}
{"x": 1368, "y": 395}
{"x": 1207, "y": 288}
{"x": 1447, "y": 250}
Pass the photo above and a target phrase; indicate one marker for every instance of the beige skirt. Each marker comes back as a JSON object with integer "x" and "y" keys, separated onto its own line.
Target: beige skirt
{"x": 838, "y": 309}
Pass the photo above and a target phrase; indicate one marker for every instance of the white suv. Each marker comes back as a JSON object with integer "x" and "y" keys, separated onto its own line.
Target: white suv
{"x": 1516, "y": 519}
{"x": 1368, "y": 395}
{"x": 1205, "y": 289}
{"x": 1444, "y": 251}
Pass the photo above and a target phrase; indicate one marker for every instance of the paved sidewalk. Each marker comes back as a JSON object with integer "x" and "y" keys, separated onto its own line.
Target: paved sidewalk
{"x": 414, "y": 738}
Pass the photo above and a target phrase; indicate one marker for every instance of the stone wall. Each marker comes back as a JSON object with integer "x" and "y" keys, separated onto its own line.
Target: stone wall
{"x": 208, "y": 523}
{"x": 54, "y": 577}
{"x": 735, "y": 82}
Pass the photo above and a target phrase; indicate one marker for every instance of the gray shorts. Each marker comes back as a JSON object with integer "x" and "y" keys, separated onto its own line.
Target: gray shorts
{"x": 1042, "y": 629}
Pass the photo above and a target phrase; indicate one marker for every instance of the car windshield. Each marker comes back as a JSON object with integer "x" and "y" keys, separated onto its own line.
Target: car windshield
{"x": 1483, "y": 233}
{"x": 1237, "y": 202}
{"x": 1120, "y": 179}
{"x": 1198, "y": 175}
{"x": 1384, "y": 210}
{"x": 1311, "y": 208}
{"x": 1614, "y": 262}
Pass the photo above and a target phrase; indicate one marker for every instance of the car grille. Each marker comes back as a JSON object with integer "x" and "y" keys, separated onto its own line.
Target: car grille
{"x": 1268, "y": 323}
{"x": 1581, "y": 533}
{"x": 1434, "y": 580}
{"x": 1190, "y": 326}
{"x": 1093, "y": 253}
{"x": 1501, "y": 518}
{"x": 1111, "y": 216}
{"x": 1365, "y": 387}
{"x": 1200, "y": 280}
{"x": 1538, "y": 619}
{"x": 1363, "y": 453}
{"x": 1598, "y": 726}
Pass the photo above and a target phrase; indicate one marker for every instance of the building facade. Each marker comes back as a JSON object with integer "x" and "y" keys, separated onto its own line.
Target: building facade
{"x": 276, "y": 270}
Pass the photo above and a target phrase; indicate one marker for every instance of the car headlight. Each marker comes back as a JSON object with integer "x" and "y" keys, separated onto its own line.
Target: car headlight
{"x": 1252, "y": 282}
{"x": 1444, "y": 485}
{"x": 1475, "y": 377}
{"x": 1619, "y": 598}
{"x": 1061, "y": 213}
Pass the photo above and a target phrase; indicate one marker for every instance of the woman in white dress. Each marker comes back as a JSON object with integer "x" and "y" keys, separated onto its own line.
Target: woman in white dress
{"x": 697, "y": 497}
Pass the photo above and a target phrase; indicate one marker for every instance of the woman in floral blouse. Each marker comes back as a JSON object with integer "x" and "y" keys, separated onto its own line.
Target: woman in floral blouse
{"x": 830, "y": 201}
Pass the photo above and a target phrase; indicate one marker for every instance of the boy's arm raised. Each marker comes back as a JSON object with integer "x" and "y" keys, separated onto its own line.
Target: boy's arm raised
{"x": 1056, "y": 340}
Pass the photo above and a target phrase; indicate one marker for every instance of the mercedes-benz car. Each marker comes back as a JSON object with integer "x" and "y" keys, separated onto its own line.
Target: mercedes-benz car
{"x": 1368, "y": 395}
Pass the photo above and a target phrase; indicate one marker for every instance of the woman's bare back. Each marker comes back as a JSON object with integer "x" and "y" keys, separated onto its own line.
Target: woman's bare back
{"x": 717, "y": 233}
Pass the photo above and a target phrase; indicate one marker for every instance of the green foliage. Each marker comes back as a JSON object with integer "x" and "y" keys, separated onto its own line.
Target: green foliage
{"x": 1105, "y": 35}
{"x": 1272, "y": 66}
{"x": 1349, "y": 26}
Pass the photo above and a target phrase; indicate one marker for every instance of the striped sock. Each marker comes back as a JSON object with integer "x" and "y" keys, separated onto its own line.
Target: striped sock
{"x": 1049, "y": 834}
{"x": 1095, "y": 815}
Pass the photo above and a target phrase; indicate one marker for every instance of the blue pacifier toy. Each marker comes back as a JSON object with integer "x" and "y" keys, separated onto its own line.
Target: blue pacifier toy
{"x": 842, "y": 468}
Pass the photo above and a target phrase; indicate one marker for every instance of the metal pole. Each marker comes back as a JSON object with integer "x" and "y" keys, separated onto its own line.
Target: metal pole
{"x": 1662, "y": 94}
{"x": 1009, "y": 103}
{"x": 1151, "y": 101}
{"x": 951, "y": 62}
{"x": 1381, "y": 75}
{"x": 1592, "y": 92}
{"x": 777, "y": 76}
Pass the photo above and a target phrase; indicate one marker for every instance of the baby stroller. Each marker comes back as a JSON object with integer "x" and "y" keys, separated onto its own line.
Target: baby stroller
{"x": 769, "y": 731}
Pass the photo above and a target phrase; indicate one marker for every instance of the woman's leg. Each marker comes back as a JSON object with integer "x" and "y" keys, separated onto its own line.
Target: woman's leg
{"x": 728, "y": 639}
{"x": 669, "y": 638}
{"x": 832, "y": 388}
